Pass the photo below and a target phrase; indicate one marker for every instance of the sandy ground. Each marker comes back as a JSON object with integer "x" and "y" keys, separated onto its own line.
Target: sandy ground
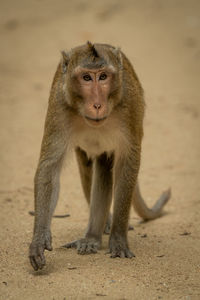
{"x": 162, "y": 39}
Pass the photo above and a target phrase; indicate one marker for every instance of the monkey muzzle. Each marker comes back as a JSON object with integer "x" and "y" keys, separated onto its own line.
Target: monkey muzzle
{"x": 95, "y": 121}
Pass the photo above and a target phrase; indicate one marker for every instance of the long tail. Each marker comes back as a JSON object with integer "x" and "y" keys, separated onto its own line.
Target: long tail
{"x": 141, "y": 208}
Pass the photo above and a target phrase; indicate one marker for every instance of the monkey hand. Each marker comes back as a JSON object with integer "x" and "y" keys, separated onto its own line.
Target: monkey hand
{"x": 85, "y": 245}
{"x": 119, "y": 247}
{"x": 36, "y": 250}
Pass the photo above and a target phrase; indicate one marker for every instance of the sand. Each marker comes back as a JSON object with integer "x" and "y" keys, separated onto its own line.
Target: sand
{"x": 162, "y": 40}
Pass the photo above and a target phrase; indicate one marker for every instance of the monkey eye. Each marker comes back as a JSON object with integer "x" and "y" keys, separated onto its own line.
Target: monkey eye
{"x": 103, "y": 76}
{"x": 87, "y": 77}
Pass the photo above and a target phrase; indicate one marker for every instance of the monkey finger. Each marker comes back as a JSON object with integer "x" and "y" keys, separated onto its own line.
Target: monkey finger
{"x": 39, "y": 257}
{"x": 41, "y": 261}
{"x": 37, "y": 262}
{"x": 33, "y": 263}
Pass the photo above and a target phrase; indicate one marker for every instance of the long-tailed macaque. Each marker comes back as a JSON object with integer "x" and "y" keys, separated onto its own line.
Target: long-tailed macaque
{"x": 96, "y": 107}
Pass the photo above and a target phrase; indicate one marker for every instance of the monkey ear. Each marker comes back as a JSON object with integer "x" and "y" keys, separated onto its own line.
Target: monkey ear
{"x": 117, "y": 52}
{"x": 65, "y": 61}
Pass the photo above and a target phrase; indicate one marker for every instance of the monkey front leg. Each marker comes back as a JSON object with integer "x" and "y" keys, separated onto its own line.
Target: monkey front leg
{"x": 46, "y": 195}
{"x": 126, "y": 172}
{"x": 101, "y": 196}
{"x": 46, "y": 189}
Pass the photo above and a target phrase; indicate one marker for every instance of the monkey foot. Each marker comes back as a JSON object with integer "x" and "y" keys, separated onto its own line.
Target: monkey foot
{"x": 84, "y": 246}
{"x": 119, "y": 249}
{"x": 118, "y": 252}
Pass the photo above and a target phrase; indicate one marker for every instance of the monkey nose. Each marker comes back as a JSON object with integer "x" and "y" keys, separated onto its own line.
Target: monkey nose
{"x": 97, "y": 106}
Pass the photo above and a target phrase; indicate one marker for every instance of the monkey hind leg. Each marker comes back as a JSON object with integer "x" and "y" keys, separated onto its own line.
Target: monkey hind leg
{"x": 141, "y": 208}
{"x": 108, "y": 225}
{"x": 85, "y": 170}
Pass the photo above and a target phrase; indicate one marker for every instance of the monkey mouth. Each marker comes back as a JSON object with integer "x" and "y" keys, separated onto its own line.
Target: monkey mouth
{"x": 97, "y": 120}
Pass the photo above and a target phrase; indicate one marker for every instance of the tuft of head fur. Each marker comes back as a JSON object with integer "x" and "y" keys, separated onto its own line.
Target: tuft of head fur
{"x": 92, "y": 49}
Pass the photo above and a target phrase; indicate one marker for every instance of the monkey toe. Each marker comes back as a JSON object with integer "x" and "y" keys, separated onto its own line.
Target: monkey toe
{"x": 122, "y": 253}
{"x": 87, "y": 246}
{"x": 71, "y": 245}
{"x": 119, "y": 248}
{"x": 84, "y": 246}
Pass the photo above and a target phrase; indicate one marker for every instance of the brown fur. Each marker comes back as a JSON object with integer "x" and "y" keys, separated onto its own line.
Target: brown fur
{"x": 103, "y": 121}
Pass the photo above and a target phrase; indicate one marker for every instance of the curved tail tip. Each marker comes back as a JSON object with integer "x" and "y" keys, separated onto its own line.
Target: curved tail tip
{"x": 167, "y": 194}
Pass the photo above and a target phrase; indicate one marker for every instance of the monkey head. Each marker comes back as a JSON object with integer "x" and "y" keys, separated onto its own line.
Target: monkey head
{"x": 92, "y": 81}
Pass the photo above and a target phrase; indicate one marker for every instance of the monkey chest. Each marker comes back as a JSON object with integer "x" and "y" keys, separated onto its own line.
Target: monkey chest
{"x": 96, "y": 142}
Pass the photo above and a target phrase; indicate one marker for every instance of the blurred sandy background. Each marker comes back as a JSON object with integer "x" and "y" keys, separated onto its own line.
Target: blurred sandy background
{"x": 162, "y": 39}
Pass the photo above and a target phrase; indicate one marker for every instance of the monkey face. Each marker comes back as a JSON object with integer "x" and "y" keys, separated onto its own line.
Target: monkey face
{"x": 93, "y": 82}
{"x": 93, "y": 89}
